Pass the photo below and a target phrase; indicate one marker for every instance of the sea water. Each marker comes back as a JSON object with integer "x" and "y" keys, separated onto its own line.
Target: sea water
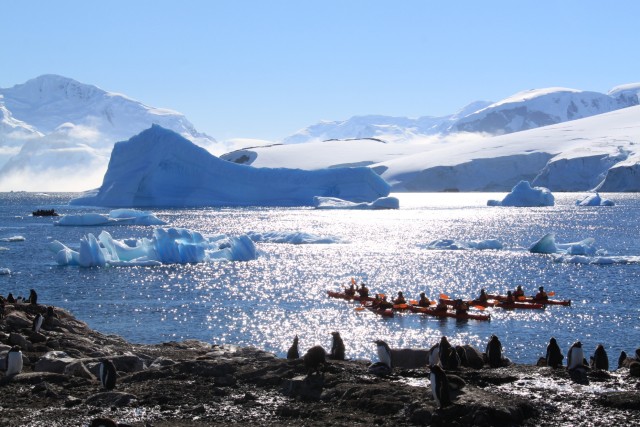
{"x": 265, "y": 302}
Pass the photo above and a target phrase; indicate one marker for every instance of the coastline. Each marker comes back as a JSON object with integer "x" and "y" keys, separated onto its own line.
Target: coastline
{"x": 194, "y": 383}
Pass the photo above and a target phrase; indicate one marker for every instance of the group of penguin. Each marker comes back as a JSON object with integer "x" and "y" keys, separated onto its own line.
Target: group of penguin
{"x": 316, "y": 356}
{"x": 14, "y": 364}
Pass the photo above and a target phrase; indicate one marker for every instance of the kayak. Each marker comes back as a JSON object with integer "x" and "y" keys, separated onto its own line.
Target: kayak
{"x": 430, "y": 311}
{"x": 494, "y": 303}
{"x": 511, "y": 305}
{"x": 342, "y": 295}
{"x": 533, "y": 300}
{"x": 384, "y": 312}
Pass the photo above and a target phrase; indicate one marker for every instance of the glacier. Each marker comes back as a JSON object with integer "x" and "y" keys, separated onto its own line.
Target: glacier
{"x": 159, "y": 168}
{"x": 167, "y": 246}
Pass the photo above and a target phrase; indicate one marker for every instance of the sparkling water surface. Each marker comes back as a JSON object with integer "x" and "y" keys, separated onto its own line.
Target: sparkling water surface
{"x": 266, "y": 302}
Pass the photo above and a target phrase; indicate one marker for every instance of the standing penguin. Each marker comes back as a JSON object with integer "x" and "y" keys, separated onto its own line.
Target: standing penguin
{"x": 494, "y": 352}
{"x": 439, "y": 386}
{"x": 337, "y": 347}
{"x": 293, "y": 352}
{"x": 313, "y": 358}
{"x": 33, "y": 297}
{"x": 434, "y": 355}
{"x": 384, "y": 352}
{"x": 445, "y": 352}
{"x": 37, "y": 323}
{"x": 575, "y": 356}
{"x": 108, "y": 374}
{"x": 554, "y": 356}
{"x": 600, "y": 360}
{"x": 13, "y": 361}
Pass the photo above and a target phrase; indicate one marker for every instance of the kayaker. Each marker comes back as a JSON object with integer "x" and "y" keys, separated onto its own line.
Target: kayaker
{"x": 363, "y": 291}
{"x": 351, "y": 291}
{"x": 541, "y": 295}
{"x": 400, "y": 299}
{"x": 519, "y": 292}
{"x": 510, "y": 298}
{"x": 442, "y": 305}
{"x": 461, "y": 307}
{"x": 384, "y": 304}
{"x": 376, "y": 301}
{"x": 483, "y": 296}
{"x": 424, "y": 301}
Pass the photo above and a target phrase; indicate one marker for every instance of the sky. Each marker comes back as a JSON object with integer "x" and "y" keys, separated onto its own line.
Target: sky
{"x": 266, "y": 69}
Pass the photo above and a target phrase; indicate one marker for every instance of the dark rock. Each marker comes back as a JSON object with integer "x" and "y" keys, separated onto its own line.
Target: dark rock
{"x": 110, "y": 398}
{"x": 621, "y": 400}
{"x": 304, "y": 387}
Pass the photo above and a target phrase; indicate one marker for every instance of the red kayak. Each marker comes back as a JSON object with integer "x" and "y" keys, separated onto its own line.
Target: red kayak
{"x": 342, "y": 295}
{"x": 511, "y": 305}
{"x": 533, "y": 300}
{"x": 430, "y": 311}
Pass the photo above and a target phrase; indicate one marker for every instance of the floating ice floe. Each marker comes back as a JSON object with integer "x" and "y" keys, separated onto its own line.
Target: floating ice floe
{"x": 594, "y": 200}
{"x": 336, "y": 203}
{"x": 4, "y": 271}
{"x": 449, "y": 244}
{"x": 523, "y": 195}
{"x": 547, "y": 245}
{"x": 167, "y": 246}
{"x": 295, "y": 238}
{"x": 13, "y": 239}
{"x": 115, "y": 217}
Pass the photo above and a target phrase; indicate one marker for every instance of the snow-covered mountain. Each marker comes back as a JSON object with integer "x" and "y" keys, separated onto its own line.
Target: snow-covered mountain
{"x": 392, "y": 129}
{"x": 71, "y": 126}
{"x": 601, "y": 151}
{"x": 522, "y": 111}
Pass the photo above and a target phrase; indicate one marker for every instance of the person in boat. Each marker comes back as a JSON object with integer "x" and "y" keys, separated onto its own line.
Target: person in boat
{"x": 351, "y": 290}
{"x": 442, "y": 305}
{"x": 423, "y": 301}
{"x": 519, "y": 292}
{"x": 541, "y": 295}
{"x": 384, "y": 304}
{"x": 483, "y": 296}
{"x": 510, "y": 298}
{"x": 461, "y": 307}
{"x": 363, "y": 291}
{"x": 400, "y": 299}
{"x": 377, "y": 300}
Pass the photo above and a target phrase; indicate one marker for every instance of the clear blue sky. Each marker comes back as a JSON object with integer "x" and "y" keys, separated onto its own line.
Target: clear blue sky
{"x": 264, "y": 69}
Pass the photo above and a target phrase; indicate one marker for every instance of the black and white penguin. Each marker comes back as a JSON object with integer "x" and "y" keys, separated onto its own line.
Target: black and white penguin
{"x": 384, "y": 352}
{"x": 108, "y": 374}
{"x": 439, "y": 386}
{"x": 494, "y": 352}
{"x": 33, "y": 297}
{"x": 554, "y": 356}
{"x": 575, "y": 356}
{"x": 313, "y": 358}
{"x": 13, "y": 361}
{"x": 337, "y": 347}
{"x": 445, "y": 352}
{"x": 37, "y": 323}
{"x": 622, "y": 360}
{"x": 293, "y": 352}
{"x": 600, "y": 360}
{"x": 434, "y": 355}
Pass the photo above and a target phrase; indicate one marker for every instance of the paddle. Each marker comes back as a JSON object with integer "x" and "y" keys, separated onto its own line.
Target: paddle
{"x": 444, "y": 296}
{"x": 353, "y": 281}
{"x": 522, "y": 298}
{"x": 359, "y": 308}
{"x": 413, "y": 302}
{"x": 550, "y": 294}
{"x": 479, "y": 307}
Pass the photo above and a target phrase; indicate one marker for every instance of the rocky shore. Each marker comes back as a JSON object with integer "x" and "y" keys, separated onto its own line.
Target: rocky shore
{"x": 192, "y": 383}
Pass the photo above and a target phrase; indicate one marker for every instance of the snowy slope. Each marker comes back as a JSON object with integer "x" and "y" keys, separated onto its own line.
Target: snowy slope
{"x": 571, "y": 156}
{"x": 541, "y": 107}
{"x": 158, "y": 167}
{"x": 71, "y": 126}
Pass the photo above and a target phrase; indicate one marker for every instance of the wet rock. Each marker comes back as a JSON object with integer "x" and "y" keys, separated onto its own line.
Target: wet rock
{"x": 17, "y": 320}
{"x": 225, "y": 380}
{"x": 621, "y": 400}
{"x": 78, "y": 369}
{"x": 34, "y": 378}
{"x": 21, "y": 340}
{"x": 304, "y": 387}
{"x": 54, "y": 361}
{"x": 71, "y": 401}
{"x": 37, "y": 337}
{"x": 634, "y": 369}
{"x": 44, "y": 389}
{"x": 161, "y": 362}
{"x": 110, "y": 398}
{"x": 205, "y": 368}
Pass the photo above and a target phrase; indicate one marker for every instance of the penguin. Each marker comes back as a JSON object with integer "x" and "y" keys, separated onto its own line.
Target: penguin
{"x": 33, "y": 297}
{"x": 337, "y": 347}
{"x": 103, "y": 422}
{"x": 494, "y": 352}
{"x": 313, "y": 358}
{"x": 600, "y": 359}
{"x": 622, "y": 359}
{"x": 554, "y": 356}
{"x": 108, "y": 374}
{"x": 575, "y": 356}
{"x": 37, "y": 323}
{"x": 434, "y": 355}
{"x": 439, "y": 386}
{"x": 293, "y": 352}
{"x": 384, "y": 352}
{"x": 445, "y": 352}
{"x": 13, "y": 361}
